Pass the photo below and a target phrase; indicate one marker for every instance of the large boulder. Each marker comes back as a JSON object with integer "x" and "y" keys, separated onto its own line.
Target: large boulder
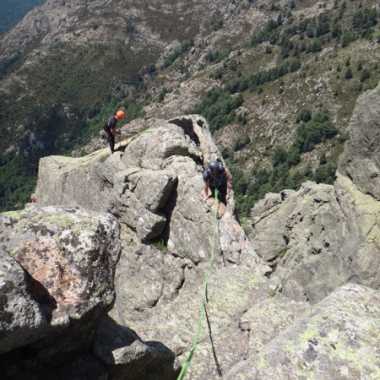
{"x": 338, "y": 339}
{"x": 318, "y": 238}
{"x": 67, "y": 181}
{"x": 128, "y": 357}
{"x": 57, "y": 269}
{"x": 21, "y": 317}
{"x": 115, "y": 188}
{"x": 308, "y": 238}
{"x": 153, "y": 185}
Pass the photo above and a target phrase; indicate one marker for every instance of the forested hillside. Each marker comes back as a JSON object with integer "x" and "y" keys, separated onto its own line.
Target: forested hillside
{"x": 277, "y": 80}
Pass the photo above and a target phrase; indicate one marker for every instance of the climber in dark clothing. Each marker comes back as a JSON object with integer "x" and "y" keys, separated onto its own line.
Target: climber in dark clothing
{"x": 110, "y": 128}
{"x": 216, "y": 177}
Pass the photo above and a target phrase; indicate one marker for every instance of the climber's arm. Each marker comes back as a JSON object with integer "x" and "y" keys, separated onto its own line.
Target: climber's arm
{"x": 206, "y": 190}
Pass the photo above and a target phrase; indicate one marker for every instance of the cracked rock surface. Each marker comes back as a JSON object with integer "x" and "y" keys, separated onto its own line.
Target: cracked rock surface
{"x": 336, "y": 340}
{"x": 57, "y": 267}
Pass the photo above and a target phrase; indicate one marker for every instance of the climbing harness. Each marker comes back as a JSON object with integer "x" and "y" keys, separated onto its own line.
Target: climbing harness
{"x": 202, "y": 310}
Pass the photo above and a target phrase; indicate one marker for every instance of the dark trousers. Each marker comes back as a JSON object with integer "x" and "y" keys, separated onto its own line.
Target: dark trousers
{"x": 110, "y": 139}
{"x": 222, "y": 192}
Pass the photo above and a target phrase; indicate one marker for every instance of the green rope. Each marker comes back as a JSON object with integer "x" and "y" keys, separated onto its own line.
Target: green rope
{"x": 202, "y": 310}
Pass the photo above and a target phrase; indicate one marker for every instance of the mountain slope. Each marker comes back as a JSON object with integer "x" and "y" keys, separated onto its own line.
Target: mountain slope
{"x": 284, "y": 95}
{"x": 65, "y": 60}
{"x": 286, "y": 76}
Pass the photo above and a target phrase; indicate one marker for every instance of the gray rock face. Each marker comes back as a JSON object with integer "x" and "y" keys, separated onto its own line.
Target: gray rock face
{"x": 160, "y": 296}
{"x": 324, "y": 236}
{"x": 64, "y": 180}
{"x": 114, "y": 187}
{"x": 154, "y": 187}
{"x": 57, "y": 267}
{"x": 267, "y": 319}
{"x": 308, "y": 238}
{"x": 332, "y": 342}
{"x": 361, "y": 158}
{"x": 147, "y": 224}
{"x": 21, "y": 317}
{"x": 158, "y": 143}
{"x": 145, "y": 277}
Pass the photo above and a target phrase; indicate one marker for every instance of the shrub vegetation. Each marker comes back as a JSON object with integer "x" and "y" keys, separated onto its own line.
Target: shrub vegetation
{"x": 218, "y": 107}
{"x": 285, "y": 172}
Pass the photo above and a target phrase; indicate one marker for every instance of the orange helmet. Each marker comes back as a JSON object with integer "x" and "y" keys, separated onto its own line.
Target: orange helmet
{"x": 120, "y": 115}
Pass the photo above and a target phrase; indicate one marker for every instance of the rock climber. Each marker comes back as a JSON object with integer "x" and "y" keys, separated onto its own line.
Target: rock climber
{"x": 110, "y": 128}
{"x": 217, "y": 177}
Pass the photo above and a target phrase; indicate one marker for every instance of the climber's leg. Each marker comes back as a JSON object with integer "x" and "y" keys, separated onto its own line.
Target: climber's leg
{"x": 222, "y": 199}
{"x": 111, "y": 141}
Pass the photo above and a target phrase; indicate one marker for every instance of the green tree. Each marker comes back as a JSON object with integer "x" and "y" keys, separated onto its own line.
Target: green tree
{"x": 218, "y": 107}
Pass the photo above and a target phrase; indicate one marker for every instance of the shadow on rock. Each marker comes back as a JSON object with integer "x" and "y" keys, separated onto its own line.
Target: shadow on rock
{"x": 41, "y": 295}
{"x": 125, "y": 354}
{"x": 168, "y": 212}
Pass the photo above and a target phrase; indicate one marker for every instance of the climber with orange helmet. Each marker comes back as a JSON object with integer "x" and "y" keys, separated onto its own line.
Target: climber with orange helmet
{"x": 110, "y": 128}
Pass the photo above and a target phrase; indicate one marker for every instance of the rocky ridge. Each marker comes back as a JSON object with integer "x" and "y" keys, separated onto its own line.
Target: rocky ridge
{"x": 154, "y": 187}
{"x": 303, "y": 290}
